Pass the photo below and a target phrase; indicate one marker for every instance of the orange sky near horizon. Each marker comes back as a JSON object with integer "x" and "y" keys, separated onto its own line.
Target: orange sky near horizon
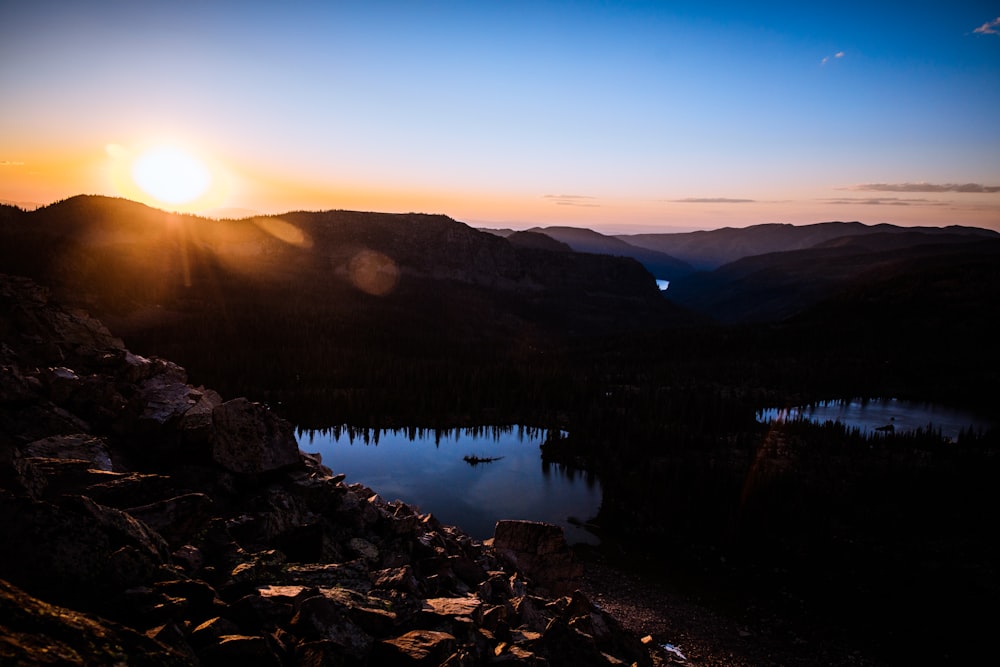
{"x": 620, "y": 117}
{"x": 238, "y": 192}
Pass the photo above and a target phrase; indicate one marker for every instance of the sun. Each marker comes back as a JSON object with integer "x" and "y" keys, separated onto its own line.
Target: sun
{"x": 171, "y": 175}
{"x": 168, "y": 174}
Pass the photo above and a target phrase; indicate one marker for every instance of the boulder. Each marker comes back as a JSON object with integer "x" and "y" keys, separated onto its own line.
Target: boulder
{"x": 165, "y": 399}
{"x": 50, "y": 478}
{"x": 321, "y": 618}
{"x": 416, "y": 648}
{"x": 78, "y": 446}
{"x": 246, "y": 651}
{"x": 249, "y": 439}
{"x": 177, "y": 519}
{"x": 76, "y": 551}
{"x": 540, "y": 552}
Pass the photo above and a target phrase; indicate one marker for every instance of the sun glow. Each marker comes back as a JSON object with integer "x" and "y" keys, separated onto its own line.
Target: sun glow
{"x": 167, "y": 175}
{"x": 171, "y": 175}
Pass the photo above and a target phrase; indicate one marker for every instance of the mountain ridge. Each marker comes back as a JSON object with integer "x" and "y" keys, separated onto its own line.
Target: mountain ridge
{"x": 710, "y": 249}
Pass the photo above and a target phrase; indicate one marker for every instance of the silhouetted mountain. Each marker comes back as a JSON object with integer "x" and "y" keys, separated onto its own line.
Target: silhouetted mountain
{"x": 706, "y": 250}
{"x": 329, "y": 303}
{"x": 136, "y": 255}
{"x": 778, "y": 285}
{"x": 660, "y": 264}
{"x": 26, "y": 205}
{"x": 527, "y": 239}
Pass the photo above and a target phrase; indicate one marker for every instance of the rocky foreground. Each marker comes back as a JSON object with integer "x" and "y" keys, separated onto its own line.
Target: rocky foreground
{"x": 145, "y": 521}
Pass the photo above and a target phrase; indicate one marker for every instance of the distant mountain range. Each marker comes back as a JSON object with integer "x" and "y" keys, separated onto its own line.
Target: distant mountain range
{"x": 128, "y": 256}
{"x": 773, "y": 271}
{"x": 671, "y": 256}
{"x": 327, "y": 305}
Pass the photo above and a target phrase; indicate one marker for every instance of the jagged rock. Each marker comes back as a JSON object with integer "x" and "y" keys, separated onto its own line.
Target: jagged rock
{"x": 364, "y": 549}
{"x": 165, "y": 398}
{"x": 17, "y": 389}
{"x": 177, "y": 519}
{"x": 352, "y": 575}
{"x": 288, "y": 594}
{"x": 201, "y": 599}
{"x": 79, "y": 446}
{"x": 145, "y": 608}
{"x": 198, "y": 417}
{"x": 212, "y": 630}
{"x": 279, "y": 511}
{"x": 320, "y": 618}
{"x": 33, "y": 632}
{"x": 129, "y": 489}
{"x": 173, "y": 636}
{"x": 531, "y": 613}
{"x": 538, "y": 550}
{"x": 188, "y": 557}
{"x": 467, "y": 570}
{"x": 396, "y": 578}
{"x": 246, "y": 651}
{"x": 60, "y": 383}
{"x": 379, "y": 623}
{"x": 50, "y": 478}
{"x": 76, "y": 550}
{"x": 563, "y": 645}
{"x": 248, "y": 438}
{"x": 415, "y": 648}
{"x": 256, "y": 614}
{"x": 322, "y": 653}
{"x": 439, "y": 608}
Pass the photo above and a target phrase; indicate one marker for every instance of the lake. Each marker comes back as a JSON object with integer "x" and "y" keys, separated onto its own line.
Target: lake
{"x": 869, "y": 415}
{"x": 427, "y": 469}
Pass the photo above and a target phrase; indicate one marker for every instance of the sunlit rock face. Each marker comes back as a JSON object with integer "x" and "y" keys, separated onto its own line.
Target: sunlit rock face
{"x": 541, "y": 552}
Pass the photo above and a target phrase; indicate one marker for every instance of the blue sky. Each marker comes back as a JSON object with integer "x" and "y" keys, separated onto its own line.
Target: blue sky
{"x": 620, "y": 116}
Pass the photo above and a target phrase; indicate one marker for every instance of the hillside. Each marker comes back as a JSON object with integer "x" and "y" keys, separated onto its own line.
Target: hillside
{"x": 125, "y": 255}
{"x": 778, "y": 285}
{"x": 403, "y": 301}
{"x": 150, "y": 522}
{"x": 707, "y": 250}
{"x": 660, "y": 264}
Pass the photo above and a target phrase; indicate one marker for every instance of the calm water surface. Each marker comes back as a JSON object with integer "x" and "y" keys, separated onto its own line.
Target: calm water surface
{"x": 869, "y": 415}
{"x": 427, "y": 469}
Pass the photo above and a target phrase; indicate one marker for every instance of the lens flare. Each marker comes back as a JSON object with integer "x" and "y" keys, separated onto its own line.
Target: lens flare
{"x": 373, "y": 272}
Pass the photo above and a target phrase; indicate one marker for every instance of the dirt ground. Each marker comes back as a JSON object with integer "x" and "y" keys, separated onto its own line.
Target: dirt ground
{"x": 698, "y": 635}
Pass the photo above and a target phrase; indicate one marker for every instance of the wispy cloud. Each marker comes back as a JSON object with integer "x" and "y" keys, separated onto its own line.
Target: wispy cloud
{"x": 924, "y": 187}
{"x": 835, "y": 56}
{"x": 886, "y": 201}
{"x": 10, "y": 163}
{"x": 572, "y": 200}
{"x": 989, "y": 28}
{"x": 712, "y": 200}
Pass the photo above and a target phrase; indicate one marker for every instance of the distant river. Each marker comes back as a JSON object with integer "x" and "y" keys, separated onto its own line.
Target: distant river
{"x": 428, "y": 469}
{"x": 869, "y": 415}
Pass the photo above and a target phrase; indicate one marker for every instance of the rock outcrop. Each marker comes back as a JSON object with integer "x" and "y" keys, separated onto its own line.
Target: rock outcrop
{"x": 146, "y": 521}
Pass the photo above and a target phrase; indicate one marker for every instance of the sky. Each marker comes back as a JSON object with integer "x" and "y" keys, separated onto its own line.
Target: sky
{"x": 623, "y": 117}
